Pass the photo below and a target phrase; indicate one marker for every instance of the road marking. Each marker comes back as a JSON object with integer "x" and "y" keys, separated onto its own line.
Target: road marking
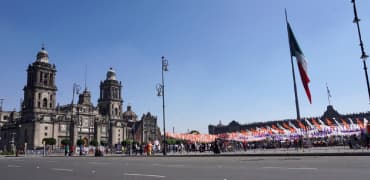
{"x": 144, "y": 175}
{"x": 169, "y": 165}
{"x": 271, "y": 167}
{"x": 13, "y": 166}
{"x": 277, "y": 167}
{"x": 303, "y": 168}
{"x": 61, "y": 169}
{"x": 101, "y": 163}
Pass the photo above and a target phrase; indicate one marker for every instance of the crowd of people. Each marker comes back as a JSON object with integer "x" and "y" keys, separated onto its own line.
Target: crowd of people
{"x": 222, "y": 145}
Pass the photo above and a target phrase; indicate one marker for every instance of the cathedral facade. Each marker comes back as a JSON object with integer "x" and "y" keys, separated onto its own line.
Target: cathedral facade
{"x": 41, "y": 117}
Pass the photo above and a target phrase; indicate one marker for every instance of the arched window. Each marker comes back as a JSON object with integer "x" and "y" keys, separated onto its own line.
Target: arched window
{"x": 41, "y": 77}
{"x": 51, "y": 79}
{"x": 116, "y": 111}
{"x": 45, "y": 103}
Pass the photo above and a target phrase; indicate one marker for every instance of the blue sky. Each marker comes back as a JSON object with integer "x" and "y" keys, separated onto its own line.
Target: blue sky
{"x": 228, "y": 60}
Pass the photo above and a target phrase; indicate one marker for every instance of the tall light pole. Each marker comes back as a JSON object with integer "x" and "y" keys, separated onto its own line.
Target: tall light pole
{"x": 76, "y": 89}
{"x": 160, "y": 92}
{"x": 364, "y": 56}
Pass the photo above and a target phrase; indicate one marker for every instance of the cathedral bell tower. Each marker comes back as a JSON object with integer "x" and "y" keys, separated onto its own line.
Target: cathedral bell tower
{"x": 40, "y": 90}
{"x": 110, "y": 106}
{"x": 38, "y": 109}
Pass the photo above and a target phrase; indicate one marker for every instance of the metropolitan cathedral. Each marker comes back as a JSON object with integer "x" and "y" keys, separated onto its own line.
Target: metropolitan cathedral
{"x": 41, "y": 117}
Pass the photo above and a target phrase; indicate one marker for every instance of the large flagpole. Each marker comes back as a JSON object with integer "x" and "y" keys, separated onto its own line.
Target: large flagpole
{"x": 364, "y": 56}
{"x": 294, "y": 82}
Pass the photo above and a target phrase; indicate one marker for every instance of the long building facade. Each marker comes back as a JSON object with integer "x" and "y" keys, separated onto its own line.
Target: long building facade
{"x": 41, "y": 117}
{"x": 331, "y": 119}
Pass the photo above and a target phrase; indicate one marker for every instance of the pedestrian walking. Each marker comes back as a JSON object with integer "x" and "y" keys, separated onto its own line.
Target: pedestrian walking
{"x": 66, "y": 150}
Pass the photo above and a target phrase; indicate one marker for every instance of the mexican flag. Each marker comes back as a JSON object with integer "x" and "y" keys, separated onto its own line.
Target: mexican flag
{"x": 296, "y": 51}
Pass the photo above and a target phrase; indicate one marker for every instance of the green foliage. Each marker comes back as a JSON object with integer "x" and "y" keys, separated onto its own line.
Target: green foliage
{"x": 126, "y": 142}
{"x": 94, "y": 142}
{"x": 178, "y": 141}
{"x": 7, "y": 153}
{"x": 64, "y": 142}
{"x": 49, "y": 141}
{"x": 170, "y": 141}
{"x": 103, "y": 143}
{"x": 80, "y": 142}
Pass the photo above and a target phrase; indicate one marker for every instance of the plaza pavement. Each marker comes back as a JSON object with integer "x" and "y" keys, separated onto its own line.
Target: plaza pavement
{"x": 185, "y": 168}
{"x": 316, "y": 151}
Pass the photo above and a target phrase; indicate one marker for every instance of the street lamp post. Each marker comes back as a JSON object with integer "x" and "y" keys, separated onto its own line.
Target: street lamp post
{"x": 364, "y": 56}
{"x": 160, "y": 92}
{"x": 133, "y": 131}
{"x": 76, "y": 89}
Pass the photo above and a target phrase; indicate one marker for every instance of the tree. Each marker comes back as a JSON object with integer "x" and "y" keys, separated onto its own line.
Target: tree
{"x": 178, "y": 141}
{"x": 170, "y": 141}
{"x": 80, "y": 142}
{"x": 103, "y": 143}
{"x": 65, "y": 142}
{"x": 49, "y": 141}
{"x": 126, "y": 142}
{"x": 94, "y": 142}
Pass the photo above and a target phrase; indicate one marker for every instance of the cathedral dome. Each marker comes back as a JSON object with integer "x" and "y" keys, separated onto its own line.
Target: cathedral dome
{"x": 111, "y": 74}
{"x": 42, "y": 56}
{"x": 129, "y": 114}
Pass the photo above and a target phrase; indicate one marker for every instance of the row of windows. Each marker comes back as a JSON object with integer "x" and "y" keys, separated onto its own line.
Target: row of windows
{"x": 44, "y": 101}
{"x": 39, "y": 96}
{"x": 45, "y": 78}
{"x": 113, "y": 92}
{"x": 44, "y": 104}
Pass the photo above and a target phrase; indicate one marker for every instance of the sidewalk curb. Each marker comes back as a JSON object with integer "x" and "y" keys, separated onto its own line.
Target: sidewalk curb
{"x": 223, "y": 155}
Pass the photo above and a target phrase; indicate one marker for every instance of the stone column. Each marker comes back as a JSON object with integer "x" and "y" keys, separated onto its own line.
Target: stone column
{"x": 75, "y": 135}
{"x": 36, "y": 138}
{"x": 97, "y": 131}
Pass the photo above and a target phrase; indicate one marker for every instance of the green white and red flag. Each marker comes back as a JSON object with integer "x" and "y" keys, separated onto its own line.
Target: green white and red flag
{"x": 296, "y": 51}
